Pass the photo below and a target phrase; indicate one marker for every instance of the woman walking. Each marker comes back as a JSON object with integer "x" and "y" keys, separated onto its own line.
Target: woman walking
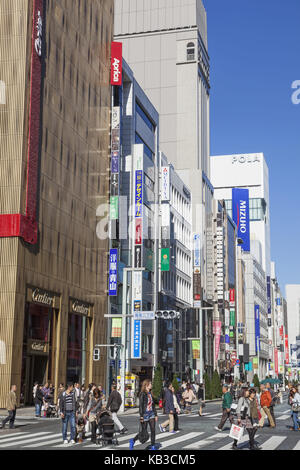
{"x": 248, "y": 416}
{"x": 188, "y": 397}
{"x": 295, "y": 405}
{"x": 148, "y": 414}
{"x": 201, "y": 398}
{"x": 94, "y": 407}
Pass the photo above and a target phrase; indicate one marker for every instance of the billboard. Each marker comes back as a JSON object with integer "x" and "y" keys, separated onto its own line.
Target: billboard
{"x": 165, "y": 183}
{"x": 257, "y": 329}
{"x": 116, "y": 64}
{"x": 241, "y": 216}
{"x": 113, "y": 272}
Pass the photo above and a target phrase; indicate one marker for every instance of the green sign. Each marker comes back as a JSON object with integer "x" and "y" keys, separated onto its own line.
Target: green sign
{"x": 165, "y": 259}
{"x": 114, "y": 208}
{"x": 232, "y": 317}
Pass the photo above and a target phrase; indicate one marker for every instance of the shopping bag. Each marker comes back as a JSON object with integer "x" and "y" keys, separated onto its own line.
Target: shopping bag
{"x": 236, "y": 432}
{"x": 87, "y": 427}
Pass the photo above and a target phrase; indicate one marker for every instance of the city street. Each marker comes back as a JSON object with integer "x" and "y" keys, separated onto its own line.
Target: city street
{"x": 195, "y": 434}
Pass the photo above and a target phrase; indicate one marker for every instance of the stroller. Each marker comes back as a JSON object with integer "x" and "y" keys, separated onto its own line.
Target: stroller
{"x": 51, "y": 411}
{"x": 107, "y": 433}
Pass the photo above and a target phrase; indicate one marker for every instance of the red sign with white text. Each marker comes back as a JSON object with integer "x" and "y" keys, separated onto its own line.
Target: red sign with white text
{"x": 138, "y": 232}
{"x": 287, "y": 355}
{"x": 276, "y": 360}
{"x": 116, "y": 64}
{"x": 231, "y": 295}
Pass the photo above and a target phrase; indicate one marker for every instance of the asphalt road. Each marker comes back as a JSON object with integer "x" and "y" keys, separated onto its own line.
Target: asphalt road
{"x": 195, "y": 434}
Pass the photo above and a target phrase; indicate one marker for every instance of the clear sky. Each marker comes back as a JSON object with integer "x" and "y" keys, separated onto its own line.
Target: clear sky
{"x": 254, "y": 47}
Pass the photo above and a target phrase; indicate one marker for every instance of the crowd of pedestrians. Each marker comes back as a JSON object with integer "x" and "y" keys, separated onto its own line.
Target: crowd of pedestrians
{"x": 86, "y": 410}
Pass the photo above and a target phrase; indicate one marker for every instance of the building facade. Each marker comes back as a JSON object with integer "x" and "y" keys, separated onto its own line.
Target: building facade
{"x": 54, "y": 150}
{"x": 166, "y": 47}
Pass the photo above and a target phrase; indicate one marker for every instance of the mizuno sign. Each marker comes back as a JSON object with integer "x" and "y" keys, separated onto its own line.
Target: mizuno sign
{"x": 240, "y": 213}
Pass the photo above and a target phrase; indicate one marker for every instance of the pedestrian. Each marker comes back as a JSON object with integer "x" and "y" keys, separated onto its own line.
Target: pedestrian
{"x": 148, "y": 414}
{"x": 60, "y": 391}
{"x": 273, "y": 403}
{"x": 226, "y": 408}
{"x": 68, "y": 413}
{"x": 177, "y": 410}
{"x": 265, "y": 403}
{"x": 201, "y": 398}
{"x": 248, "y": 417}
{"x": 188, "y": 397}
{"x": 169, "y": 410}
{"x": 77, "y": 390}
{"x": 35, "y": 387}
{"x": 295, "y": 406}
{"x": 94, "y": 407}
{"x": 114, "y": 404}
{"x": 11, "y": 406}
{"x": 38, "y": 401}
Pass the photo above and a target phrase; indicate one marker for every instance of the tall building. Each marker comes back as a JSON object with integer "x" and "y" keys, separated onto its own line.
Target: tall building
{"x": 134, "y": 231}
{"x": 165, "y": 43}
{"x": 249, "y": 171}
{"x": 54, "y": 155}
{"x": 293, "y": 312}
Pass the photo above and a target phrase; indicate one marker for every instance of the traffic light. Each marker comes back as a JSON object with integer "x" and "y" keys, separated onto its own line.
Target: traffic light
{"x": 167, "y": 315}
{"x": 96, "y": 354}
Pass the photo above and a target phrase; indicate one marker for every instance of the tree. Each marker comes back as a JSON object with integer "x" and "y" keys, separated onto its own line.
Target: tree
{"x": 175, "y": 383}
{"x": 256, "y": 381}
{"x": 157, "y": 383}
{"x": 208, "y": 390}
{"x": 216, "y": 385}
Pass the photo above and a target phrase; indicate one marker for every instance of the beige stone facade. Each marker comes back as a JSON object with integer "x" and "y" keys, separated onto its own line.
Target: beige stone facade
{"x": 65, "y": 272}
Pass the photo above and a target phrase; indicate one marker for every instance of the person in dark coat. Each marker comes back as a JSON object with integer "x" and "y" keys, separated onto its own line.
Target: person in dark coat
{"x": 114, "y": 403}
{"x": 169, "y": 409}
{"x": 38, "y": 401}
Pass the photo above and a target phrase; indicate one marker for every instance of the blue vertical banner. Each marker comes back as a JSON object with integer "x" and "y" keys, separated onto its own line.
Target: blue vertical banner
{"x": 138, "y": 193}
{"x": 241, "y": 215}
{"x": 137, "y": 343}
{"x": 257, "y": 329}
{"x": 113, "y": 272}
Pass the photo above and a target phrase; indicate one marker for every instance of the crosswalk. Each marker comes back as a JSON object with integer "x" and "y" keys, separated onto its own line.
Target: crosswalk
{"x": 186, "y": 441}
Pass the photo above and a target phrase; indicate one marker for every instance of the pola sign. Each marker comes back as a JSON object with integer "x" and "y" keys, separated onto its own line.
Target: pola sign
{"x": 116, "y": 64}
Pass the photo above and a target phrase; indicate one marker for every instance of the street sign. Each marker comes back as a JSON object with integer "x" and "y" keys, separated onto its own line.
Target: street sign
{"x": 144, "y": 315}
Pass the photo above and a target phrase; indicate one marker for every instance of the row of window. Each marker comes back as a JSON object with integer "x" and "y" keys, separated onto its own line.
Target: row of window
{"x": 181, "y": 288}
{"x": 257, "y": 209}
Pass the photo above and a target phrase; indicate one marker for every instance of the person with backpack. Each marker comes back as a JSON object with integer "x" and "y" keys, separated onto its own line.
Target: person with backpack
{"x": 148, "y": 415}
{"x": 114, "y": 403}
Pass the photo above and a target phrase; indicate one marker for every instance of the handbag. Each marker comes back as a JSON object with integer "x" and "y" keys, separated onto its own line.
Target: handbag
{"x": 236, "y": 432}
{"x": 296, "y": 407}
{"x": 143, "y": 435}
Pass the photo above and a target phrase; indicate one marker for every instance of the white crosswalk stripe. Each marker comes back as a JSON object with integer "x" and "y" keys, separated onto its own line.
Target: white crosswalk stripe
{"x": 273, "y": 442}
{"x": 283, "y": 418}
{"x": 178, "y": 440}
{"x": 244, "y": 439}
{"x": 206, "y": 442}
{"x": 49, "y": 441}
{"x": 5, "y": 443}
{"x": 14, "y": 436}
{"x": 297, "y": 446}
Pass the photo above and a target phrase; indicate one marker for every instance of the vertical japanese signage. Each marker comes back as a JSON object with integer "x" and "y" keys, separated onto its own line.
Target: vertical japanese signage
{"x": 165, "y": 183}
{"x": 269, "y": 295}
{"x": 115, "y": 163}
{"x": 113, "y": 272}
{"x": 197, "y": 292}
{"x": 287, "y": 355}
{"x": 241, "y": 216}
{"x": 217, "y": 330}
{"x": 137, "y": 281}
{"x": 116, "y": 64}
{"x": 257, "y": 329}
{"x": 276, "y": 361}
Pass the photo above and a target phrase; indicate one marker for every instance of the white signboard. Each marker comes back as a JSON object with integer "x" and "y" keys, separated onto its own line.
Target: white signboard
{"x": 165, "y": 183}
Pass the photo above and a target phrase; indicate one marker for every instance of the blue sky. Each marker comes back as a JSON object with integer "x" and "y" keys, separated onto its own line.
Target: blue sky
{"x": 254, "y": 47}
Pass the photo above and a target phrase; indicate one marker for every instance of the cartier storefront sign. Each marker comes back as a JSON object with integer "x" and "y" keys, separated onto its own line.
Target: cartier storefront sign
{"x": 43, "y": 297}
{"x": 37, "y": 347}
{"x": 80, "y": 307}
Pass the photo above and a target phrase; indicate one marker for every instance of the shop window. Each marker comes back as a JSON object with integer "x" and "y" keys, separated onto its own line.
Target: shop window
{"x": 76, "y": 354}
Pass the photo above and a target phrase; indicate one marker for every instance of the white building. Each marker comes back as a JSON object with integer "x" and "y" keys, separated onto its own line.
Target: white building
{"x": 248, "y": 171}
{"x": 293, "y": 312}
{"x": 165, "y": 43}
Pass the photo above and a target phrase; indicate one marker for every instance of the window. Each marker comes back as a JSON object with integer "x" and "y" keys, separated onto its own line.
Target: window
{"x": 190, "y": 51}
{"x": 257, "y": 208}
{"x": 145, "y": 117}
{"x": 147, "y": 150}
